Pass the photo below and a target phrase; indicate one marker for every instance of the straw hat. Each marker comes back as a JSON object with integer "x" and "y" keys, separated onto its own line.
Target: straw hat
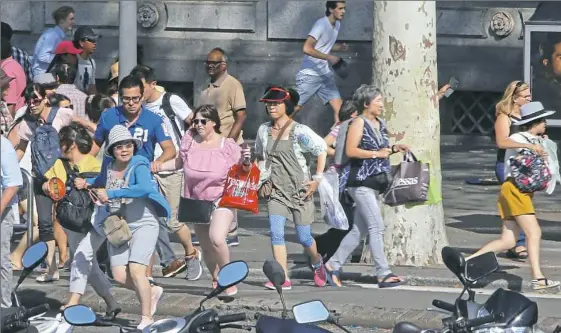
{"x": 532, "y": 111}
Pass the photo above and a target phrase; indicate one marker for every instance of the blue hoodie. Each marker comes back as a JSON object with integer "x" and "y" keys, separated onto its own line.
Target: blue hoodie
{"x": 141, "y": 184}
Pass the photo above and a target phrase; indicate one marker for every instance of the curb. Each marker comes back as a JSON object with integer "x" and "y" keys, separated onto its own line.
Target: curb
{"x": 346, "y": 314}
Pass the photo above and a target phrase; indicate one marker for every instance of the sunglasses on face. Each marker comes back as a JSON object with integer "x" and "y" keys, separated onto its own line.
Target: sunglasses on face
{"x": 90, "y": 40}
{"x": 124, "y": 146}
{"x": 197, "y": 121}
{"x": 213, "y": 63}
{"x": 128, "y": 99}
{"x": 35, "y": 101}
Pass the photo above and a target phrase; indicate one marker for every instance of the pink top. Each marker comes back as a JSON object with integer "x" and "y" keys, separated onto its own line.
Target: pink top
{"x": 205, "y": 170}
{"x": 63, "y": 118}
{"x": 13, "y": 69}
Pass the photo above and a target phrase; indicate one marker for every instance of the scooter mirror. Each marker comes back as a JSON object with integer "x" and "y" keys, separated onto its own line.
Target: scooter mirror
{"x": 232, "y": 274}
{"x": 34, "y": 255}
{"x": 310, "y": 312}
{"x": 481, "y": 266}
{"x": 79, "y": 315}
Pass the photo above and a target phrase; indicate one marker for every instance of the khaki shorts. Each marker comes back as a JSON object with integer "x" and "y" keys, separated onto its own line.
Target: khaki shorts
{"x": 171, "y": 186}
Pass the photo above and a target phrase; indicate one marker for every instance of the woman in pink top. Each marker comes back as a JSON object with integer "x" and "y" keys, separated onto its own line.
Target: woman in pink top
{"x": 206, "y": 158}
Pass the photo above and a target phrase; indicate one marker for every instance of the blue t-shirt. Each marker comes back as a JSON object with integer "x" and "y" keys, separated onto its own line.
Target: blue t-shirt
{"x": 149, "y": 128}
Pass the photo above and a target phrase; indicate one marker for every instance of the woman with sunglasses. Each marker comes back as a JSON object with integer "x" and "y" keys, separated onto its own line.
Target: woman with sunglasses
{"x": 126, "y": 186}
{"x": 516, "y": 94}
{"x": 75, "y": 145}
{"x": 280, "y": 146}
{"x": 206, "y": 157}
{"x": 39, "y": 110}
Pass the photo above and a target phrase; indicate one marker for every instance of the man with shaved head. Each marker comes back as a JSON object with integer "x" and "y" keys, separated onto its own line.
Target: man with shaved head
{"x": 226, "y": 94}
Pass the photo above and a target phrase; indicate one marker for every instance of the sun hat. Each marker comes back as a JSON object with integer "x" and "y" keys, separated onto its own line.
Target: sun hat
{"x": 275, "y": 94}
{"x": 532, "y": 111}
{"x": 114, "y": 71}
{"x": 118, "y": 134}
{"x": 67, "y": 46}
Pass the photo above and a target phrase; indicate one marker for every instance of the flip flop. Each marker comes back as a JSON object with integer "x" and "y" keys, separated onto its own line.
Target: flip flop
{"x": 384, "y": 284}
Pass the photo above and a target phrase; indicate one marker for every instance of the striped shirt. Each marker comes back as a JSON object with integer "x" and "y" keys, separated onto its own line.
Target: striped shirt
{"x": 77, "y": 97}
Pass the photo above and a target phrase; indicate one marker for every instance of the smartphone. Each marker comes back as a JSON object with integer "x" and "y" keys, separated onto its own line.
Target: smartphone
{"x": 453, "y": 86}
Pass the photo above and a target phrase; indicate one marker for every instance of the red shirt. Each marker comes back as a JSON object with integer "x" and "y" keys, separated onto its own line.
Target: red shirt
{"x": 12, "y": 68}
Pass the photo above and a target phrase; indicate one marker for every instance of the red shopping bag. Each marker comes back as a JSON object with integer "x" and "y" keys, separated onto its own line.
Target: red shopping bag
{"x": 240, "y": 191}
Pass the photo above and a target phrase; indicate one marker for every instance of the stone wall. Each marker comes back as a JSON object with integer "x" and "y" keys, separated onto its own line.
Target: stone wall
{"x": 478, "y": 43}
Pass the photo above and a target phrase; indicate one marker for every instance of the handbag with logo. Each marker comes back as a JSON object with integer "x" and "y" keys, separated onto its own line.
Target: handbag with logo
{"x": 266, "y": 188}
{"x": 115, "y": 226}
{"x": 410, "y": 182}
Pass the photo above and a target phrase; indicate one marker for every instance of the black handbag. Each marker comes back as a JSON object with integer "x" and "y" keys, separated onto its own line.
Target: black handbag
{"x": 379, "y": 182}
{"x": 195, "y": 211}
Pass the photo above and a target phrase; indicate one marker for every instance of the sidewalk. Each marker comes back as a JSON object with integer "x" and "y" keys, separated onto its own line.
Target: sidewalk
{"x": 471, "y": 220}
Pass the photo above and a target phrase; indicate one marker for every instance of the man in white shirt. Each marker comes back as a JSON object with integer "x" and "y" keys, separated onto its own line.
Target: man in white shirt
{"x": 176, "y": 116}
{"x": 315, "y": 76}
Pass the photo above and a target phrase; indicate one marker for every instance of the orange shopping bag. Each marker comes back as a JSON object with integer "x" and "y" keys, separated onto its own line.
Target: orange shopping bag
{"x": 240, "y": 191}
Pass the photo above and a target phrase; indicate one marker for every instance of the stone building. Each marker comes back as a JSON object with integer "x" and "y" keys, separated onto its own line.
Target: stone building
{"x": 479, "y": 42}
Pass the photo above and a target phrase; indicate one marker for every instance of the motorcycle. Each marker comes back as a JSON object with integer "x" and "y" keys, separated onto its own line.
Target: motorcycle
{"x": 305, "y": 314}
{"x": 200, "y": 321}
{"x": 18, "y": 318}
{"x": 504, "y": 311}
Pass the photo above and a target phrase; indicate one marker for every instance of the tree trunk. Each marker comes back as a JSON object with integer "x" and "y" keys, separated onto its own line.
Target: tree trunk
{"x": 404, "y": 68}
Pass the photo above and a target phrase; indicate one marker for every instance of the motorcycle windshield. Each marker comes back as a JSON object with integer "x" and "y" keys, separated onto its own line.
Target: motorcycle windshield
{"x": 519, "y": 311}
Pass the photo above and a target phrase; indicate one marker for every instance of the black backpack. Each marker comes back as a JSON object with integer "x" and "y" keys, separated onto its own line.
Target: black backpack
{"x": 166, "y": 106}
{"x": 75, "y": 210}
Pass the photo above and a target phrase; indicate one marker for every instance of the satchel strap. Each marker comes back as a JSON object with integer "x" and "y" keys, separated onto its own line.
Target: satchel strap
{"x": 276, "y": 143}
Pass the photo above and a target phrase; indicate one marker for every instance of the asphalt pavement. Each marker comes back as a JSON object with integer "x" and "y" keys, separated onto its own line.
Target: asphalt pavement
{"x": 471, "y": 221}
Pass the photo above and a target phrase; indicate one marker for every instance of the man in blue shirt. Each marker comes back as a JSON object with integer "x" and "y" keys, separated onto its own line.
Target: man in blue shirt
{"x": 50, "y": 38}
{"x": 148, "y": 127}
{"x": 11, "y": 181}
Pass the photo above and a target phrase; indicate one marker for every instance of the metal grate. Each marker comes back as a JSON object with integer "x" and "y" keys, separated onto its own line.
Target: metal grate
{"x": 473, "y": 112}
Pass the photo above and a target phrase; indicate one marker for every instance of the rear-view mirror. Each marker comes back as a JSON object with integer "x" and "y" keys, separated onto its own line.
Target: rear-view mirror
{"x": 79, "y": 315}
{"x": 481, "y": 266}
{"x": 232, "y": 274}
{"x": 310, "y": 312}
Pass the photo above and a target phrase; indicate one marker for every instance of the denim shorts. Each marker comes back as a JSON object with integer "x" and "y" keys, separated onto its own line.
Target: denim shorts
{"x": 322, "y": 85}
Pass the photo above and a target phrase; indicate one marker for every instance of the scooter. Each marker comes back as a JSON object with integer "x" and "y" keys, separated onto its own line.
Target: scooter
{"x": 504, "y": 310}
{"x": 200, "y": 321}
{"x": 20, "y": 319}
{"x": 305, "y": 314}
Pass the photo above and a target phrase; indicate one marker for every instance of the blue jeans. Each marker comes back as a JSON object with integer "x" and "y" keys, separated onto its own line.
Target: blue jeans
{"x": 500, "y": 173}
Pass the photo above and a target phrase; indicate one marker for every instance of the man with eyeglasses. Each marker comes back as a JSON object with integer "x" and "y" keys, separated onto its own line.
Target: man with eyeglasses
{"x": 227, "y": 95}
{"x": 86, "y": 40}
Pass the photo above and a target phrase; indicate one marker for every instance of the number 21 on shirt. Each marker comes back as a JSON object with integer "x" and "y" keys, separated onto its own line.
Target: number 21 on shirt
{"x": 141, "y": 134}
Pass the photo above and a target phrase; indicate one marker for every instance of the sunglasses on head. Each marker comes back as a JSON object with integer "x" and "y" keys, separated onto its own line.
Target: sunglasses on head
{"x": 200, "y": 121}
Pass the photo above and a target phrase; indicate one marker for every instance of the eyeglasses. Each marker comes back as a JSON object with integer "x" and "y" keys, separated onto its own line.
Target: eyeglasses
{"x": 128, "y": 99}
{"x": 124, "y": 146}
{"x": 213, "y": 63}
{"x": 35, "y": 101}
{"x": 200, "y": 121}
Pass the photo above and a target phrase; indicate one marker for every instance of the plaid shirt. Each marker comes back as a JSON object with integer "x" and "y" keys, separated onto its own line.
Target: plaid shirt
{"x": 5, "y": 118}
{"x": 77, "y": 97}
{"x": 23, "y": 58}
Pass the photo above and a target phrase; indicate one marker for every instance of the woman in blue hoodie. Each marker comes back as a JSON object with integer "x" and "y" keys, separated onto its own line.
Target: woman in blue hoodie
{"x": 140, "y": 203}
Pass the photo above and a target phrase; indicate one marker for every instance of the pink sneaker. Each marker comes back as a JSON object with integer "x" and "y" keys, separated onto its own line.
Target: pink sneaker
{"x": 231, "y": 291}
{"x": 287, "y": 285}
{"x": 320, "y": 276}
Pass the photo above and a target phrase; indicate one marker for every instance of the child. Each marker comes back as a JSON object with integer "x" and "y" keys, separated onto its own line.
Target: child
{"x": 515, "y": 207}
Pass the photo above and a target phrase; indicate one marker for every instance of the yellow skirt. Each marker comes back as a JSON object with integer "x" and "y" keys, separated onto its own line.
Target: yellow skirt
{"x": 512, "y": 202}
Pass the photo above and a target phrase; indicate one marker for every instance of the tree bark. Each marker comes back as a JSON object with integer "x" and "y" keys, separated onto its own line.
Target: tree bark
{"x": 404, "y": 68}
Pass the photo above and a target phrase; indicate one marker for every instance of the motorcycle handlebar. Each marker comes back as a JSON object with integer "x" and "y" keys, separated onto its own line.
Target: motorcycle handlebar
{"x": 231, "y": 318}
{"x": 484, "y": 320}
{"x": 37, "y": 310}
{"x": 444, "y": 305}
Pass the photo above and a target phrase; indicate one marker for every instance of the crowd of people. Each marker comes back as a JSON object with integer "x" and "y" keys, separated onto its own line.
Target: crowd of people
{"x": 144, "y": 156}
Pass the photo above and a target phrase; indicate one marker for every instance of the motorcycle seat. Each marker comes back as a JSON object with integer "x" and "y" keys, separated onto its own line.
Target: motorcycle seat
{"x": 405, "y": 327}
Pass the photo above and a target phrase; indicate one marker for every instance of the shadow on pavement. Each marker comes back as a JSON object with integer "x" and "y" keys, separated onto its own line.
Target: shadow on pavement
{"x": 491, "y": 224}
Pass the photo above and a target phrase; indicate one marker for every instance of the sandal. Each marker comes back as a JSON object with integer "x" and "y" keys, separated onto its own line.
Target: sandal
{"x": 538, "y": 285}
{"x": 333, "y": 277}
{"x": 46, "y": 278}
{"x": 385, "y": 284}
{"x": 513, "y": 254}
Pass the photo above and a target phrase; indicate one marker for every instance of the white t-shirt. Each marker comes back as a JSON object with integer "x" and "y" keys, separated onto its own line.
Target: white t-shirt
{"x": 86, "y": 74}
{"x": 326, "y": 35}
{"x": 522, "y": 137}
{"x": 181, "y": 110}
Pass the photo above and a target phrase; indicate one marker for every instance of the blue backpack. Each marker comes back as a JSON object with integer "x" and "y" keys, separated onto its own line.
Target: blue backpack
{"x": 45, "y": 145}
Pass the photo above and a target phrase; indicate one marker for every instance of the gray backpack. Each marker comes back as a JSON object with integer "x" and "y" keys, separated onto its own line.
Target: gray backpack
{"x": 341, "y": 157}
